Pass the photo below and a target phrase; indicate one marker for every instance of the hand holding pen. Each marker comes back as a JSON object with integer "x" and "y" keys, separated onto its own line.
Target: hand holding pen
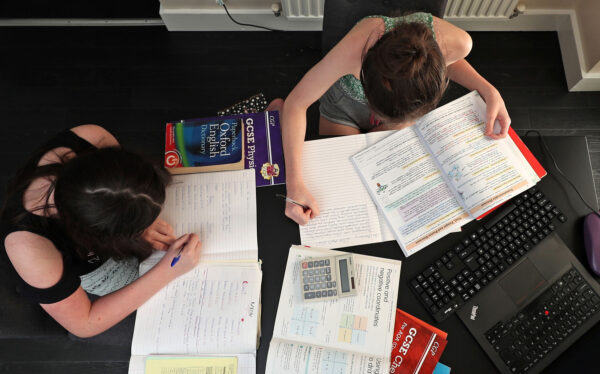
{"x": 176, "y": 258}
{"x": 301, "y": 206}
{"x": 304, "y": 207}
{"x": 185, "y": 253}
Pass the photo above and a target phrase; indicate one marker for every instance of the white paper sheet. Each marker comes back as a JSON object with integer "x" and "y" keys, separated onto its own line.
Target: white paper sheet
{"x": 220, "y": 207}
{"x": 210, "y": 309}
{"x": 348, "y": 216}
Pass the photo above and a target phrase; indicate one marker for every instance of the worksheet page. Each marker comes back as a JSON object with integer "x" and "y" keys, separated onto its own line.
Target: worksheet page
{"x": 348, "y": 216}
{"x": 482, "y": 171}
{"x": 220, "y": 208}
{"x": 211, "y": 309}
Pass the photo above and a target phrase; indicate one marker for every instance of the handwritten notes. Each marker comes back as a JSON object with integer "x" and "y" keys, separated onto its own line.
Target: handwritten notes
{"x": 348, "y": 215}
{"x": 220, "y": 208}
{"x": 210, "y": 309}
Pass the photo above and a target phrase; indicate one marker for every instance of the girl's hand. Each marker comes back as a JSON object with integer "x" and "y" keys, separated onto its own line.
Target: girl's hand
{"x": 495, "y": 111}
{"x": 189, "y": 258}
{"x": 300, "y": 194}
{"x": 159, "y": 235}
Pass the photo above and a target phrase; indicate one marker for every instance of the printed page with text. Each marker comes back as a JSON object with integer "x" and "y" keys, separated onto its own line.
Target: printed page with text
{"x": 482, "y": 172}
{"x": 432, "y": 178}
{"x": 405, "y": 182}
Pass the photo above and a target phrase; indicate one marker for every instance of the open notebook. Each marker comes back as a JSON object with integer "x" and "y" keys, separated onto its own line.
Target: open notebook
{"x": 215, "y": 308}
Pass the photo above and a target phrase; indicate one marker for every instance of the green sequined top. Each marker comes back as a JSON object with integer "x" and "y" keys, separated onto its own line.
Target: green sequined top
{"x": 350, "y": 84}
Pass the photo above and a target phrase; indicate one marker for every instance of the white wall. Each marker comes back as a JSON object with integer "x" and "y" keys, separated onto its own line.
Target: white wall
{"x": 588, "y": 17}
{"x": 550, "y": 4}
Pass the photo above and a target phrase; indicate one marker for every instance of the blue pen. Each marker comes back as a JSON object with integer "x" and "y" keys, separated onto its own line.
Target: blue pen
{"x": 176, "y": 258}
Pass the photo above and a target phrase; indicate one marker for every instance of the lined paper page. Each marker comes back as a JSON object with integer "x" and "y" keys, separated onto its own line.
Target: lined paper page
{"x": 219, "y": 207}
{"x": 211, "y": 309}
{"x": 348, "y": 215}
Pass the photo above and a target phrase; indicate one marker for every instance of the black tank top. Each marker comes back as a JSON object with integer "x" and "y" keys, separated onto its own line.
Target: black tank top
{"x": 49, "y": 228}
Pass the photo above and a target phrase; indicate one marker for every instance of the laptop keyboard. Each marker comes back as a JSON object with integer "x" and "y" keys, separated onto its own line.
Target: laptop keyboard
{"x": 485, "y": 254}
{"x": 540, "y": 327}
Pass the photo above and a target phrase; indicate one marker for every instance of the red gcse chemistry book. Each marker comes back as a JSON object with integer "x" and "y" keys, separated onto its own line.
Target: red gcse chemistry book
{"x": 417, "y": 346}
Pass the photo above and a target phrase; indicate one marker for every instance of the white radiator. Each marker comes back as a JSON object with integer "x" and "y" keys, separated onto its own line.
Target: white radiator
{"x": 313, "y": 9}
{"x": 303, "y": 9}
{"x": 480, "y": 8}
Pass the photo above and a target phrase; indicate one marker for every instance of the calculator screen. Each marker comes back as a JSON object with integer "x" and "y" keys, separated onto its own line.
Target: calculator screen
{"x": 343, "y": 265}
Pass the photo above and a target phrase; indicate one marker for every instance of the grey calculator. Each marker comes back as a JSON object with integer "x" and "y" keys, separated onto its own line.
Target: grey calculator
{"x": 327, "y": 278}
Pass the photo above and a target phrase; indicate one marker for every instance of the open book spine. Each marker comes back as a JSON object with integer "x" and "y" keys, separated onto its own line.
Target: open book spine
{"x": 381, "y": 209}
{"x": 409, "y": 189}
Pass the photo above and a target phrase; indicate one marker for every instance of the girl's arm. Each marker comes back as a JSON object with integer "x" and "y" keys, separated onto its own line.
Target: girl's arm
{"x": 463, "y": 73}
{"x": 345, "y": 58}
{"x": 96, "y": 135}
{"x": 76, "y": 313}
{"x": 456, "y": 44}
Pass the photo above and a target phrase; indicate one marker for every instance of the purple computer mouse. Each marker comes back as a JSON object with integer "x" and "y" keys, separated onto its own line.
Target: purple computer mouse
{"x": 591, "y": 238}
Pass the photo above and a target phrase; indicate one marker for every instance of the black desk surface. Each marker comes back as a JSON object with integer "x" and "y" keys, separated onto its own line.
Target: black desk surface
{"x": 276, "y": 233}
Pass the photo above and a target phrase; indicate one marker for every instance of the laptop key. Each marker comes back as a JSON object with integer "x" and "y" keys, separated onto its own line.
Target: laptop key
{"x": 471, "y": 261}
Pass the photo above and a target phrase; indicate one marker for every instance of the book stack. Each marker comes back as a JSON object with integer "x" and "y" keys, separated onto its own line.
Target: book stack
{"x": 233, "y": 142}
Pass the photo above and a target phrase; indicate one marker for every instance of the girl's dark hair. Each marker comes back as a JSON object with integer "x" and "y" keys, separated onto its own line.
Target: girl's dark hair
{"x": 404, "y": 73}
{"x": 104, "y": 200}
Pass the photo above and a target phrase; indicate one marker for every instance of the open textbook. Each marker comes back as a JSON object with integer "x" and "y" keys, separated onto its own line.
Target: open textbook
{"x": 432, "y": 178}
{"x": 351, "y": 335}
{"x": 213, "y": 310}
{"x": 429, "y": 179}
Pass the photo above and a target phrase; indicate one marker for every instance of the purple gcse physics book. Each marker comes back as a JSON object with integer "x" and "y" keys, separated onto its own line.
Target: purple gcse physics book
{"x": 241, "y": 141}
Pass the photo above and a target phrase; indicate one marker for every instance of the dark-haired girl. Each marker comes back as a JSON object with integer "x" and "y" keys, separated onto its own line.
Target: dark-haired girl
{"x": 384, "y": 74}
{"x": 78, "y": 218}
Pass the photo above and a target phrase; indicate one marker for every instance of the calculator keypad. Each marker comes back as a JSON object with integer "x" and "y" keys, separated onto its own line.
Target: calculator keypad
{"x": 317, "y": 280}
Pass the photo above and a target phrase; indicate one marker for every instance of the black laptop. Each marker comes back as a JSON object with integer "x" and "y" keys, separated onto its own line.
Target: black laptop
{"x": 533, "y": 312}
